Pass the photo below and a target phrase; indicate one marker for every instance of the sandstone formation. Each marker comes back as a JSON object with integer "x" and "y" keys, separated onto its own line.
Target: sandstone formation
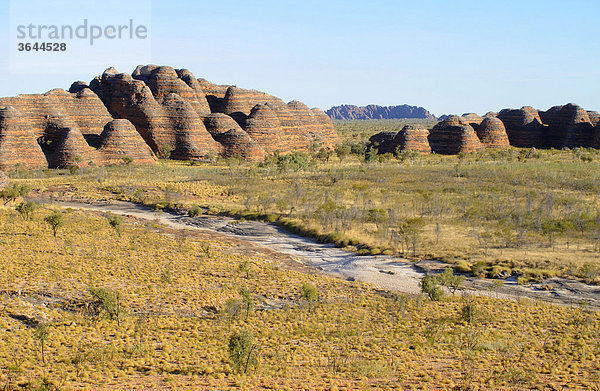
{"x": 453, "y": 139}
{"x": 264, "y": 127}
{"x": 350, "y": 112}
{"x": 471, "y": 119}
{"x": 155, "y": 110}
{"x": 69, "y": 148}
{"x": 523, "y": 126}
{"x": 594, "y": 117}
{"x": 120, "y": 141}
{"x": 237, "y": 143}
{"x": 412, "y": 138}
{"x": 18, "y": 145}
{"x": 566, "y": 126}
{"x": 569, "y": 126}
{"x": 383, "y": 142}
{"x": 492, "y": 133}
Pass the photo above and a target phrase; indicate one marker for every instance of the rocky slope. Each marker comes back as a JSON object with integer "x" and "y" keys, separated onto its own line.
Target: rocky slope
{"x": 567, "y": 126}
{"x": 154, "y": 111}
{"x": 349, "y": 112}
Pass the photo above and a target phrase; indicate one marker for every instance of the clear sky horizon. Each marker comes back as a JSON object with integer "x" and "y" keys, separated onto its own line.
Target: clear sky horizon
{"x": 449, "y": 57}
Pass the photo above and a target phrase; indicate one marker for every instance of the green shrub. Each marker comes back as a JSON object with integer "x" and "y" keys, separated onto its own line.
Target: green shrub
{"x": 478, "y": 268}
{"x": 26, "y": 210}
{"x": 243, "y": 351}
{"x": 116, "y": 222}
{"x": 15, "y": 191}
{"x": 449, "y": 280}
{"x": 430, "y": 287}
{"x": 462, "y": 267}
{"x": 194, "y": 211}
{"x": 309, "y": 293}
{"x": 55, "y": 221}
{"x": 106, "y": 302}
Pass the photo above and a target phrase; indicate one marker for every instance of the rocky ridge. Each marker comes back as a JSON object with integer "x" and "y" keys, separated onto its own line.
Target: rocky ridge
{"x": 351, "y": 112}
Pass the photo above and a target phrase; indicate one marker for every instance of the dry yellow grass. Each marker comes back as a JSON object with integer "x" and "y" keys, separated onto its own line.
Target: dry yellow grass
{"x": 173, "y": 331}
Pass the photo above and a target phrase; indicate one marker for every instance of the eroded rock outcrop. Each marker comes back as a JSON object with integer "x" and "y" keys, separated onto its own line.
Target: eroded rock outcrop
{"x": 453, "y": 139}
{"x": 120, "y": 142}
{"x": 566, "y": 126}
{"x": 523, "y": 127}
{"x": 263, "y": 126}
{"x": 18, "y": 145}
{"x": 492, "y": 133}
{"x": 412, "y": 138}
{"x": 237, "y": 143}
{"x": 69, "y": 148}
{"x": 569, "y": 126}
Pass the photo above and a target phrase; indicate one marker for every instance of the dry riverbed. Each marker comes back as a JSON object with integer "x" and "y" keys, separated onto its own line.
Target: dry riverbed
{"x": 386, "y": 272}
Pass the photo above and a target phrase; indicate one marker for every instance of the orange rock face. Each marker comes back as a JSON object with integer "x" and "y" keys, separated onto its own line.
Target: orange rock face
{"x": 412, "y": 138}
{"x": 492, "y": 133}
{"x": 18, "y": 145}
{"x": 452, "y": 140}
{"x": 120, "y": 141}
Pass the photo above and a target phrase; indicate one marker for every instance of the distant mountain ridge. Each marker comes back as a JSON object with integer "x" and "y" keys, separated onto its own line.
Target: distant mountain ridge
{"x": 346, "y": 112}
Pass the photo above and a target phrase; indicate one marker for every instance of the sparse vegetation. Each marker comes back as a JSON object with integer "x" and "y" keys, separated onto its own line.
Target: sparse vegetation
{"x": 356, "y": 338}
{"x": 148, "y": 308}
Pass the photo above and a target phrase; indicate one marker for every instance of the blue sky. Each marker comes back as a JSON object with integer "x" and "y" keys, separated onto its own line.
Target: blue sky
{"x": 449, "y": 57}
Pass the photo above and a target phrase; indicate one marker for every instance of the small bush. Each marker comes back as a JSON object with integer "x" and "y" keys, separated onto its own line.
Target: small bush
{"x": 462, "y": 267}
{"x": 26, "y": 210}
{"x": 469, "y": 311}
{"x": 116, "y": 222}
{"x": 449, "y": 280}
{"x": 308, "y": 292}
{"x": 243, "y": 351}
{"x": 430, "y": 287}
{"x": 106, "y": 302}
{"x": 194, "y": 211}
{"x": 15, "y": 191}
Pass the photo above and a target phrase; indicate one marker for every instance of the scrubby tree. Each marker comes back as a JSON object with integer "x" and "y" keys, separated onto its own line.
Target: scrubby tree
{"x": 431, "y": 287}
{"x": 42, "y": 332}
{"x": 449, "y": 280}
{"x": 26, "y": 210}
{"x": 343, "y": 150}
{"x": 108, "y": 302}
{"x": 10, "y": 194}
{"x": 244, "y": 268}
{"x": 247, "y": 301}
{"x": 243, "y": 351}
{"x": 55, "y": 221}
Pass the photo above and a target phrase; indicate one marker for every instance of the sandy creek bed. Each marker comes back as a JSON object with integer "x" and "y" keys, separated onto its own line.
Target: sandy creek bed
{"x": 386, "y": 272}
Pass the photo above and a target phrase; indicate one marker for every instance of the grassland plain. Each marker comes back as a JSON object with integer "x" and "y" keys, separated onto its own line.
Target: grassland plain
{"x": 124, "y": 305}
{"x": 176, "y": 301}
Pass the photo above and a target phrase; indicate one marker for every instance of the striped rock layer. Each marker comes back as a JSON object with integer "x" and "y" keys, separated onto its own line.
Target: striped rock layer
{"x": 173, "y": 114}
{"x": 567, "y": 126}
